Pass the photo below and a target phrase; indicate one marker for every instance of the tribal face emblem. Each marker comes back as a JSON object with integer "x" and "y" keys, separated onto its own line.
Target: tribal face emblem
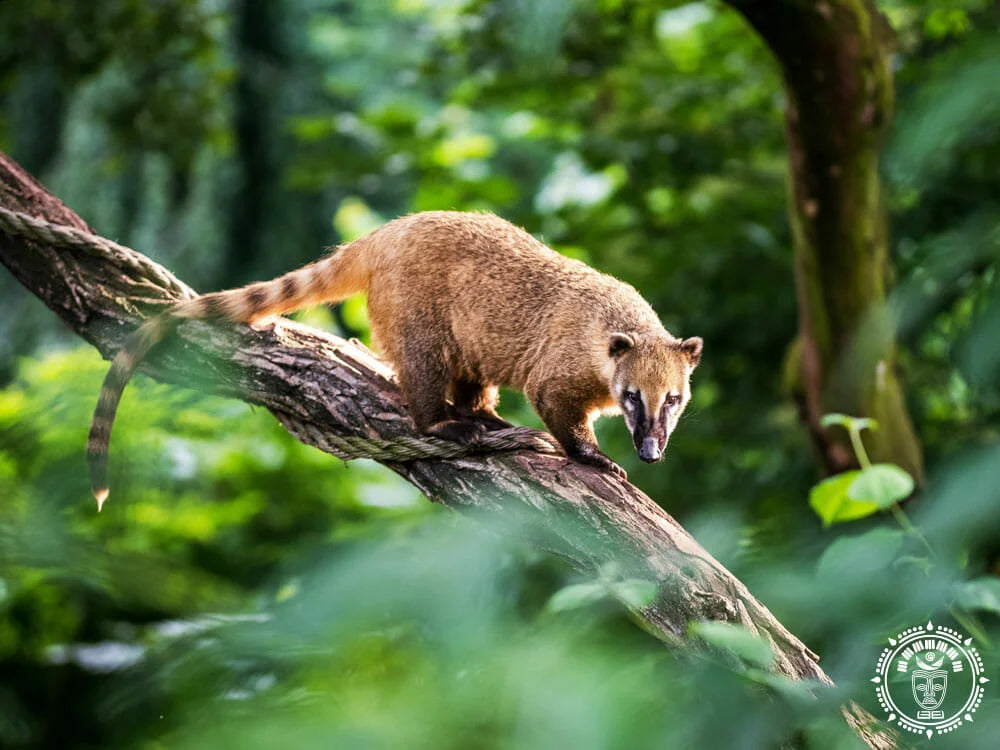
{"x": 929, "y": 682}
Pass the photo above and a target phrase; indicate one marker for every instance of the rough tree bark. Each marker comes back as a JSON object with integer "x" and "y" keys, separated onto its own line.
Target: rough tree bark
{"x": 319, "y": 385}
{"x": 835, "y": 59}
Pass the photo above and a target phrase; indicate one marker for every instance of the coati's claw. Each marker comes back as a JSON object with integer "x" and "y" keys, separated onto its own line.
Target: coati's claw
{"x": 599, "y": 460}
{"x": 618, "y": 471}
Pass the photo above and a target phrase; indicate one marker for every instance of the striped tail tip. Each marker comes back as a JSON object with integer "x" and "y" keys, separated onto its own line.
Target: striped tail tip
{"x": 100, "y": 495}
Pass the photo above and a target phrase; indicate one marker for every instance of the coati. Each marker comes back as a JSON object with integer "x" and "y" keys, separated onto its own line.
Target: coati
{"x": 461, "y": 303}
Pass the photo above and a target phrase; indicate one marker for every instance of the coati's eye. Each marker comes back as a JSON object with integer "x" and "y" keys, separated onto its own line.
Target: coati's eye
{"x": 632, "y": 396}
{"x": 673, "y": 399}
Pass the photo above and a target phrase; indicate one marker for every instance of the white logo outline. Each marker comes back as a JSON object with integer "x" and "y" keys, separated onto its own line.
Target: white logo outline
{"x": 934, "y": 651}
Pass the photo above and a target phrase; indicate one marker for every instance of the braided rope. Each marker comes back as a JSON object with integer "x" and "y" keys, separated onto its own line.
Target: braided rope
{"x": 347, "y": 447}
{"x": 63, "y": 235}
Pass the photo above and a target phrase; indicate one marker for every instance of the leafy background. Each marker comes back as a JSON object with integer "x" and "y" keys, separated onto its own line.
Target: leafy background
{"x": 243, "y": 589}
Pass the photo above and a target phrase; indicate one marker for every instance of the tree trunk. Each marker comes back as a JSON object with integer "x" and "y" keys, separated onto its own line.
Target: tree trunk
{"x": 323, "y": 388}
{"x": 835, "y": 59}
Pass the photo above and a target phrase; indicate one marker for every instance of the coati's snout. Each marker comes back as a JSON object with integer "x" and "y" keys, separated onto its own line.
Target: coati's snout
{"x": 651, "y": 385}
{"x": 650, "y": 435}
{"x": 651, "y": 449}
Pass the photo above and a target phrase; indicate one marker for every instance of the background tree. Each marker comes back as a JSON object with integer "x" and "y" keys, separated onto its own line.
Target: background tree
{"x": 835, "y": 59}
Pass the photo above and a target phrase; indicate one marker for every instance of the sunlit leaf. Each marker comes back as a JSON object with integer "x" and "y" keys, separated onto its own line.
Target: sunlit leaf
{"x": 635, "y": 592}
{"x": 851, "y": 557}
{"x": 463, "y": 148}
{"x": 832, "y": 503}
{"x": 354, "y": 219}
{"x": 576, "y": 596}
{"x": 920, "y": 562}
{"x": 850, "y": 423}
{"x": 980, "y": 594}
{"x": 737, "y": 639}
{"x": 881, "y": 485}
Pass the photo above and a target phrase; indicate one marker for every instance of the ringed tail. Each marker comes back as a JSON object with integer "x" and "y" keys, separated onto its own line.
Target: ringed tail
{"x": 122, "y": 367}
{"x": 331, "y": 279}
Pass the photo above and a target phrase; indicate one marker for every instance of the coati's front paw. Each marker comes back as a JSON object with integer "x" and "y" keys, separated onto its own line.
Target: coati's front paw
{"x": 491, "y": 423}
{"x": 466, "y": 433}
{"x": 593, "y": 457}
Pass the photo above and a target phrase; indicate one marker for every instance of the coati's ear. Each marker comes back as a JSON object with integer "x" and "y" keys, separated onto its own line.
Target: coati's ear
{"x": 692, "y": 348}
{"x": 618, "y": 344}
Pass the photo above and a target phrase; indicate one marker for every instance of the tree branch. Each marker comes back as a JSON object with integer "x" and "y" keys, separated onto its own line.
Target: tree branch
{"x": 321, "y": 386}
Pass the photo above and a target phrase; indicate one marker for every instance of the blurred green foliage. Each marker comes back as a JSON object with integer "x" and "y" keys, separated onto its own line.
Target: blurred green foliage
{"x": 240, "y": 588}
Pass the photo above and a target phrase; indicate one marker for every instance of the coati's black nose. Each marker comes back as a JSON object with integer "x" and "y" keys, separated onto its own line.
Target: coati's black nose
{"x": 650, "y": 451}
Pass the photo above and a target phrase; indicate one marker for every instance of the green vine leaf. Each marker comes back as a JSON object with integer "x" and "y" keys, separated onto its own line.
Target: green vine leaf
{"x": 833, "y": 504}
{"x": 850, "y": 558}
{"x": 576, "y": 596}
{"x": 880, "y": 485}
{"x": 635, "y": 592}
{"x": 735, "y": 638}
{"x": 853, "y": 424}
{"x": 982, "y": 594}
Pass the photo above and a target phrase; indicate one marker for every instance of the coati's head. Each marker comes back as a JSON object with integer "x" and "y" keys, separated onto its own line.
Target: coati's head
{"x": 650, "y": 383}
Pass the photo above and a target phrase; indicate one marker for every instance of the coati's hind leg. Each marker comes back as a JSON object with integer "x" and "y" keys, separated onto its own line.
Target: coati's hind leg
{"x": 569, "y": 423}
{"x": 424, "y": 379}
{"x": 477, "y": 402}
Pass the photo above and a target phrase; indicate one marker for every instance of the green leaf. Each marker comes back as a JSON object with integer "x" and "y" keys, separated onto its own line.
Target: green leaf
{"x": 851, "y": 558}
{"x": 849, "y": 423}
{"x": 635, "y": 592}
{"x": 610, "y": 571}
{"x": 800, "y": 693}
{"x": 576, "y": 596}
{"x": 920, "y": 562}
{"x": 632, "y": 592}
{"x": 832, "y": 503}
{"x": 829, "y": 420}
{"x": 464, "y": 147}
{"x": 881, "y": 484}
{"x": 735, "y": 638}
{"x": 983, "y": 593}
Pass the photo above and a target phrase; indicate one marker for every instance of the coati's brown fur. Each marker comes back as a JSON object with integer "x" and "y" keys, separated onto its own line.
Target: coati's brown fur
{"x": 461, "y": 303}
